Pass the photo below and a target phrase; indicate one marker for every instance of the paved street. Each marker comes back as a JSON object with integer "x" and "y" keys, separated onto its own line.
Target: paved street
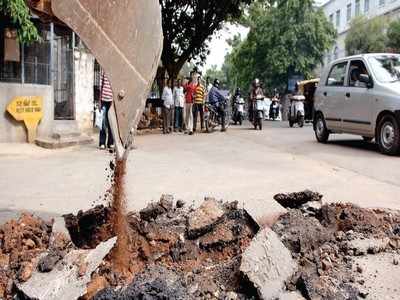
{"x": 243, "y": 164}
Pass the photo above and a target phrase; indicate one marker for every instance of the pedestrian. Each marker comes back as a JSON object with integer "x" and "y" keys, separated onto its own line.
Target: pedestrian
{"x": 168, "y": 102}
{"x": 179, "y": 100}
{"x": 198, "y": 107}
{"x": 106, "y": 100}
{"x": 190, "y": 89}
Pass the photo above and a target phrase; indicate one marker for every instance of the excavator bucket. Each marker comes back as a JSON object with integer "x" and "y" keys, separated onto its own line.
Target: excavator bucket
{"x": 126, "y": 38}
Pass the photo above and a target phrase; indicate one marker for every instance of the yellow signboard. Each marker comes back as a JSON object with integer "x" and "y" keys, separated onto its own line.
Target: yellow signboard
{"x": 30, "y": 111}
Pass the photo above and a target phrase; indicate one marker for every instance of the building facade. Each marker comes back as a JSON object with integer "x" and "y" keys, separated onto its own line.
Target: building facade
{"x": 341, "y": 12}
{"x": 57, "y": 67}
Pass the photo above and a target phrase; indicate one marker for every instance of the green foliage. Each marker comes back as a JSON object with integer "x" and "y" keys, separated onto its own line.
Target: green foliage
{"x": 393, "y": 36}
{"x": 285, "y": 36}
{"x": 366, "y": 36}
{"x": 215, "y": 73}
{"x": 188, "y": 25}
{"x": 19, "y": 14}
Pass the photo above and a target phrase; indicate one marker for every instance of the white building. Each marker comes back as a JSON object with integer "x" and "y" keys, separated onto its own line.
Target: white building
{"x": 341, "y": 12}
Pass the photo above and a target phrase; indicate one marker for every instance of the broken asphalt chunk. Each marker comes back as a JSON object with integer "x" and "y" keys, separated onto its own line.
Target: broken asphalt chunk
{"x": 204, "y": 218}
{"x": 296, "y": 200}
{"x": 268, "y": 264}
{"x": 64, "y": 282}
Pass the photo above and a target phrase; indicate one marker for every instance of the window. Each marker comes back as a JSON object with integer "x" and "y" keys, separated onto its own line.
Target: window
{"x": 357, "y": 67}
{"x": 381, "y": 2}
{"x": 348, "y": 15}
{"x": 366, "y": 6}
{"x": 337, "y": 75}
{"x": 358, "y": 9}
{"x": 331, "y": 18}
{"x": 338, "y": 19}
{"x": 386, "y": 68}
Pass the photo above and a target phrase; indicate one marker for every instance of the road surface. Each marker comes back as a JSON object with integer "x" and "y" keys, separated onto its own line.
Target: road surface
{"x": 242, "y": 164}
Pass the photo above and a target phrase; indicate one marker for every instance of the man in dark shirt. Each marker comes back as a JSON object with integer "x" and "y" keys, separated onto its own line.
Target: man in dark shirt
{"x": 218, "y": 100}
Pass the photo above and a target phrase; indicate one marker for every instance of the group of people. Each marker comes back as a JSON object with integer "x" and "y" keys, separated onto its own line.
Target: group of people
{"x": 185, "y": 101}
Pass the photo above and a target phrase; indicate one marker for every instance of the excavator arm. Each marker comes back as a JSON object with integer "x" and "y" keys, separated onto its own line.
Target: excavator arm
{"x": 126, "y": 38}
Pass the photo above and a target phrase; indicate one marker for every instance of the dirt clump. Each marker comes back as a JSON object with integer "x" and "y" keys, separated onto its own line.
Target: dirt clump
{"x": 88, "y": 229}
{"x": 326, "y": 243}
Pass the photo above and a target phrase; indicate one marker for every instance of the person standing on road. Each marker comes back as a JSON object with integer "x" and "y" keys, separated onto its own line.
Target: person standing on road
{"x": 168, "y": 101}
{"x": 190, "y": 90}
{"x": 106, "y": 100}
{"x": 179, "y": 100}
{"x": 198, "y": 107}
{"x": 218, "y": 100}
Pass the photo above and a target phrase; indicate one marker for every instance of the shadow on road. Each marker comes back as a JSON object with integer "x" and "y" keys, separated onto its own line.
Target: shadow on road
{"x": 356, "y": 144}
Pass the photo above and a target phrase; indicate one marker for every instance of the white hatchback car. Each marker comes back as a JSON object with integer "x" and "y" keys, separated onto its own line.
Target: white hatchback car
{"x": 361, "y": 95}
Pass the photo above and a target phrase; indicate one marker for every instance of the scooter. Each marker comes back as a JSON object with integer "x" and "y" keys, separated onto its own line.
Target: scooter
{"x": 274, "y": 109}
{"x": 238, "y": 114}
{"x": 296, "y": 110}
{"x": 258, "y": 112}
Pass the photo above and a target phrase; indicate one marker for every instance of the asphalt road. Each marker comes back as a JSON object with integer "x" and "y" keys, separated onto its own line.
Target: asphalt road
{"x": 242, "y": 164}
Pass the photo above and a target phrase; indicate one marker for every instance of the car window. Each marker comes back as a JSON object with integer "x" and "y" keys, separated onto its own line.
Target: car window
{"x": 357, "y": 67}
{"x": 337, "y": 75}
{"x": 386, "y": 67}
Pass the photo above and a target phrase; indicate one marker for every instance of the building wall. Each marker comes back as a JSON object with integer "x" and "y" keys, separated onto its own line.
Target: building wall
{"x": 84, "y": 91}
{"x": 13, "y": 131}
{"x": 390, "y": 8}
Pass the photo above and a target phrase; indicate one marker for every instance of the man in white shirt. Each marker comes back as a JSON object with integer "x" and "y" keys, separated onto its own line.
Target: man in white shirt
{"x": 179, "y": 100}
{"x": 168, "y": 102}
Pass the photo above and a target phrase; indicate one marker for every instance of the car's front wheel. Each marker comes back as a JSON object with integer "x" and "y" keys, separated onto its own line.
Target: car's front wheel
{"x": 321, "y": 132}
{"x": 388, "y": 135}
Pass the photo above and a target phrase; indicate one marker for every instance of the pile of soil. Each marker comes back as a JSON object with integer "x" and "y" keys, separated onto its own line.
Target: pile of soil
{"x": 326, "y": 240}
{"x": 197, "y": 252}
{"x": 21, "y": 243}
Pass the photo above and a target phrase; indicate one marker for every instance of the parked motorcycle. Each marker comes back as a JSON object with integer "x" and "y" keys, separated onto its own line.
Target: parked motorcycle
{"x": 296, "y": 110}
{"x": 258, "y": 112}
{"x": 238, "y": 112}
{"x": 274, "y": 109}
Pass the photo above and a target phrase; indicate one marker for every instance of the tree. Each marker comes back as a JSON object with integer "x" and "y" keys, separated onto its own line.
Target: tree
{"x": 393, "y": 36}
{"x": 215, "y": 73}
{"x": 366, "y": 36}
{"x": 188, "y": 25}
{"x": 19, "y": 14}
{"x": 286, "y": 36}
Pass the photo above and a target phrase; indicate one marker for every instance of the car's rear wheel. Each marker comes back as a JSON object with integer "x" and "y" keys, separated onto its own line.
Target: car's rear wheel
{"x": 388, "y": 135}
{"x": 321, "y": 132}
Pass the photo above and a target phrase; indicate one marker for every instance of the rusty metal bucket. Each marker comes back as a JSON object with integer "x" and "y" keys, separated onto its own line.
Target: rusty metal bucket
{"x": 126, "y": 38}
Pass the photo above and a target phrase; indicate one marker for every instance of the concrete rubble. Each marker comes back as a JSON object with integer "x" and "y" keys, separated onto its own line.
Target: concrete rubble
{"x": 268, "y": 264}
{"x": 216, "y": 251}
{"x": 67, "y": 280}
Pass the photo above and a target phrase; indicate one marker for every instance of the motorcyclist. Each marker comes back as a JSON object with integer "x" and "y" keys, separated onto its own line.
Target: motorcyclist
{"x": 255, "y": 92}
{"x": 274, "y": 107}
{"x": 236, "y": 100}
{"x": 218, "y": 100}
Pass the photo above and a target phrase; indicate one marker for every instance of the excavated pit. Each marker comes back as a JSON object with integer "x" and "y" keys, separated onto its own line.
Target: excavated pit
{"x": 179, "y": 252}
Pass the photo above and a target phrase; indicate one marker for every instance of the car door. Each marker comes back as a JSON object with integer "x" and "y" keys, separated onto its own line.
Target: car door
{"x": 357, "y": 112}
{"x": 333, "y": 96}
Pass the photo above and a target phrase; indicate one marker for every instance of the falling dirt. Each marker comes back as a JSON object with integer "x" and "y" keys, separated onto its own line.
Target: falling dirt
{"x": 120, "y": 225}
